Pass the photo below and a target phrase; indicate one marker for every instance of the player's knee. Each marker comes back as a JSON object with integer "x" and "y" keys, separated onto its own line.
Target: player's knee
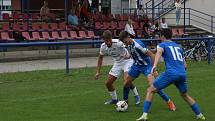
{"x": 150, "y": 89}
{"x": 108, "y": 83}
{"x": 184, "y": 95}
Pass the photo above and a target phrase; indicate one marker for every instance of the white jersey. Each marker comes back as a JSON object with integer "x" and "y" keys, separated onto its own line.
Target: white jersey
{"x": 117, "y": 51}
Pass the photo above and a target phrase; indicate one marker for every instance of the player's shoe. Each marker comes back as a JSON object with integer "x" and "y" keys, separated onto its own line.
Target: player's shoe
{"x": 171, "y": 106}
{"x": 201, "y": 117}
{"x": 137, "y": 99}
{"x": 111, "y": 102}
{"x": 143, "y": 118}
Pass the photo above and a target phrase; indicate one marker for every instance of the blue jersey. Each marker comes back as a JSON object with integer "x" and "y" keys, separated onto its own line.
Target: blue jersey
{"x": 138, "y": 50}
{"x": 173, "y": 57}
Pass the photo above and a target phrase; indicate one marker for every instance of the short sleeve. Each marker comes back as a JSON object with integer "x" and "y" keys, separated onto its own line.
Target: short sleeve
{"x": 102, "y": 49}
{"x": 161, "y": 45}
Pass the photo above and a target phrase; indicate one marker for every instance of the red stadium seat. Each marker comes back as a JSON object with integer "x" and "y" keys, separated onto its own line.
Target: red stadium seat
{"x": 5, "y": 16}
{"x": 83, "y": 35}
{"x": 106, "y": 25}
{"x": 26, "y": 35}
{"x": 91, "y": 34}
{"x": 26, "y": 16}
{"x": 98, "y": 25}
{"x": 34, "y": 16}
{"x": 36, "y": 36}
{"x": 54, "y": 26}
{"x": 74, "y": 35}
{"x": 62, "y": 26}
{"x": 5, "y": 36}
{"x": 16, "y": 27}
{"x": 16, "y": 16}
{"x": 136, "y": 25}
{"x": 25, "y": 27}
{"x": 45, "y": 26}
{"x": 113, "y": 25}
{"x": 55, "y": 35}
{"x": 35, "y": 26}
{"x": 121, "y": 25}
{"x": 64, "y": 35}
{"x": 6, "y": 26}
{"x": 46, "y": 36}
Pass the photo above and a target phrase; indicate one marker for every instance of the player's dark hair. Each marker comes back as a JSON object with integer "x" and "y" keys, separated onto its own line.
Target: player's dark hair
{"x": 167, "y": 33}
{"x": 107, "y": 35}
{"x": 123, "y": 35}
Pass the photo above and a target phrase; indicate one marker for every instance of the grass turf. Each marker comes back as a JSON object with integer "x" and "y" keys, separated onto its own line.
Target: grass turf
{"x": 55, "y": 96}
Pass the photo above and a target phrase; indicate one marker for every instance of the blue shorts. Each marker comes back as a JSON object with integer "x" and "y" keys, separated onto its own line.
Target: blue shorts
{"x": 165, "y": 79}
{"x": 135, "y": 70}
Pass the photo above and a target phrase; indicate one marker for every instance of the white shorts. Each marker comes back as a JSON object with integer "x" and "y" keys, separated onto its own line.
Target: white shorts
{"x": 118, "y": 68}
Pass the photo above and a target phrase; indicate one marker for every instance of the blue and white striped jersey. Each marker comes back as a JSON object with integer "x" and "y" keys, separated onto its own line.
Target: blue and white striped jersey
{"x": 138, "y": 50}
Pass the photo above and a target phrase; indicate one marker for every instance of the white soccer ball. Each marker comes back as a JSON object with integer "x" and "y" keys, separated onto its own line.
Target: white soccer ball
{"x": 121, "y": 106}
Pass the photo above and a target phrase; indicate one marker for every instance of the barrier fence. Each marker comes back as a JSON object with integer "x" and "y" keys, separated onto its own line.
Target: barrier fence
{"x": 209, "y": 41}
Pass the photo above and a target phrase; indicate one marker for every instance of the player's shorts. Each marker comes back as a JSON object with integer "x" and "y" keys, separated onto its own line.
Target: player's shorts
{"x": 135, "y": 70}
{"x": 118, "y": 68}
{"x": 165, "y": 79}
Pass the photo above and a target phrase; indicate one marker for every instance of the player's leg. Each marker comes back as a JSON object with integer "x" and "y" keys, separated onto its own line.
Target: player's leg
{"x": 111, "y": 89}
{"x": 112, "y": 76}
{"x": 161, "y": 93}
{"x": 133, "y": 88}
{"x": 161, "y": 82}
{"x": 132, "y": 74}
{"x": 182, "y": 87}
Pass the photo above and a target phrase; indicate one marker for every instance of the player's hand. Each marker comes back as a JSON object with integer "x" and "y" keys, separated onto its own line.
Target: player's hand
{"x": 97, "y": 76}
{"x": 153, "y": 70}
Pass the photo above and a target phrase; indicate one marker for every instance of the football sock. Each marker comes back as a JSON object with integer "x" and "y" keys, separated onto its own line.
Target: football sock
{"x": 134, "y": 90}
{"x": 125, "y": 93}
{"x": 163, "y": 95}
{"x": 113, "y": 95}
{"x": 195, "y": 109}
{"x": 146, "y": 106}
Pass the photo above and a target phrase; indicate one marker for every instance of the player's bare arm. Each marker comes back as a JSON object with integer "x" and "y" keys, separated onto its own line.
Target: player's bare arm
{"x": 99, "y": 65}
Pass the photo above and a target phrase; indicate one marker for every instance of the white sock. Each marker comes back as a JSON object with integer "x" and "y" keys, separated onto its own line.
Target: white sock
{"x": 113, "y": 95}
{"x": 199, "y": 115}
{"x": 145, "y": 114}
{"x": 135, "y": 91}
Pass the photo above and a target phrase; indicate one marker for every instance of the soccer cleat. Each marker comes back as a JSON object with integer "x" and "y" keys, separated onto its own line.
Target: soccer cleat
{"x": 111, "y": 102}
{"x": 201, "y": 117}
{"x": 143, "y": 118}
{"x": 171, "y": 106}
{"x": 137, "y": 99}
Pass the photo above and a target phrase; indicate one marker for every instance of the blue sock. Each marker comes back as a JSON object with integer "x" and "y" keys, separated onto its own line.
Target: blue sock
{"x": 163, "y": 95}
{"x": 195, "y": 109}
{"x": 146, "y": 106}
{"x": 125, "y": 93}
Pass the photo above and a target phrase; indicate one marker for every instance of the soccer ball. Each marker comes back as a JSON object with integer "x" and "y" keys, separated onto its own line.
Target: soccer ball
{"x": 121, "y": 106}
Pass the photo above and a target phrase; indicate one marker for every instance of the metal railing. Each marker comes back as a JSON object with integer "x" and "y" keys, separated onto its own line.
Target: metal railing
{"x": 209, "y": 40}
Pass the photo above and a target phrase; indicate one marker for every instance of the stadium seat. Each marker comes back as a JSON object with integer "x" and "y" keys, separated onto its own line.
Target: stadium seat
{"x": 91, "y": 34}
{"x": 46, "y": 36}
{"x": 45, "y": 26}
{"x": 34, "y": 16}
{"x": 36, "y": 36}
{"x": 16, "y": 27}
{"x": 121, "y": 25}
{"x": 6, "y": 16}
{"x": 54, "y": 26}
{"x": 106, "y": 25}
{"x": 136, "y": 25}
{"x": 64, "y": 35}
{"x": 26, "y": 16}
{"x": 6, "y": 26}
{"x": 62, "y": 26}
{"x": 25, "y": 27}
{"x": 83, "y": 35}
{"x": 113, "y": 25}
{"x": 36, "y": 26}
{"x": 98, "y": 25}
{"x": 74, "y": 35}
{"x": 55, "y": 35}
{"x": 181, "y": 32}
{"x": 26, "y": 35}
{"x": 5, "y": 36}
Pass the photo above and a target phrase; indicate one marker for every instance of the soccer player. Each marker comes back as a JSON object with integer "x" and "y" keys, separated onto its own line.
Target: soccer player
{"x": 175, "y": 73}
{"x": 143, "y": 59}
{"x": 122, "y": 63}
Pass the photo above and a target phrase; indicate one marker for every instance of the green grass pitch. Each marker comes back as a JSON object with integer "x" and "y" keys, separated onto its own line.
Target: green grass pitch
{"x": 55, "y": 96}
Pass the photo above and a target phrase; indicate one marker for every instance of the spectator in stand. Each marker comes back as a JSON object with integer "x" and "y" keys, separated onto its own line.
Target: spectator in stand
{"x": 146, "y": 28}
{"x": 130, "y": 29}
{"x": 72, "y": 19}
{"x": 178, "y": 11}
{"x": 84, "y": 13}
{"x": 140, "y": 11}
{"x": 45, "y": 12}
{"x": 163, "y": 24}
